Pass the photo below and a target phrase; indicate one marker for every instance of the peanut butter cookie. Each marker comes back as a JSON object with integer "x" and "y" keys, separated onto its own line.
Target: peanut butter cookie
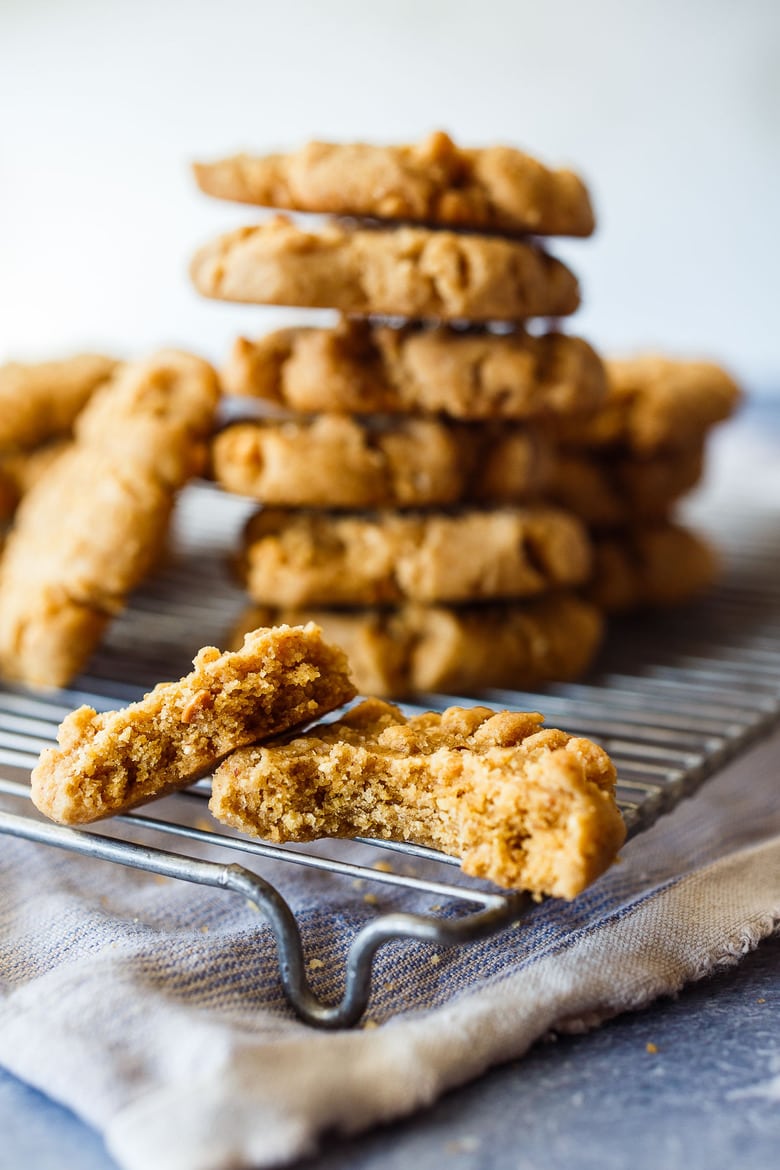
{"x": 316, "y": 558}
{"x": 411, "y": 272}
{"x": 361, "y": 368}
{"x": 655, "y": 404}
{"x": 111, "y": 762}
{"x": 523, "y": 807}
{"x": 334, "y": 461}
{"x": 20, "y": 470}
{"x": 607, "y": 490}
{"x": 496, "y": 188}
{"x": 93, "y": 525}
{"x": 650, "y": 565}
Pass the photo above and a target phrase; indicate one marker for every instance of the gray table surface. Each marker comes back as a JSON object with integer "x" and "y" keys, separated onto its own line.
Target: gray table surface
{"x": 709, "y": 1098}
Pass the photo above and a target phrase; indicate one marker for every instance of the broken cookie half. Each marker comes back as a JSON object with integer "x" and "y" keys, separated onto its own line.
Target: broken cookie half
{"x": 524, "y": 807}
{"x": 104, "y": 764}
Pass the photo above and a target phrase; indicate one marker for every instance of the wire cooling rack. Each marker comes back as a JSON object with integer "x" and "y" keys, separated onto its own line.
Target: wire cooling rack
{"x": 677, "y": 695}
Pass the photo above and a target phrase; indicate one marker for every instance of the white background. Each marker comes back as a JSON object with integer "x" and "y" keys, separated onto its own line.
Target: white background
{"x": 671, "y": 108}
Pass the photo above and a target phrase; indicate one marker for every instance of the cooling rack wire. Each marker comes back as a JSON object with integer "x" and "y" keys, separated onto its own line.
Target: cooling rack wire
{"x": 676, "y": 696}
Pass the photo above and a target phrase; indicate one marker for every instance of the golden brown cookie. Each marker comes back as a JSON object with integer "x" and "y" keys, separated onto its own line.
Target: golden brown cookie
{"x": 655, "y": 404}
{"x": 523, "y": 807}
{"x": 334, "y": 461}
{"x": 40, "y": 401}
{"x": 456, "y": 649}
{"x": 411, "y": 272}
{"x": 316, "y": 558}
{"x": 94, "y": 523}
{"x": 607, "y": 490}
{"x": 652, "y": 565}
{"x": 361, "y": 368}
{"x": 111, "y": 762}
{"x": 496, "y": 188}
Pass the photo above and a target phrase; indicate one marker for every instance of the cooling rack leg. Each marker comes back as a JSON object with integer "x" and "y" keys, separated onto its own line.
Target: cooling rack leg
{"x": 280, "y": 917}
{"x": 255, "y": 889}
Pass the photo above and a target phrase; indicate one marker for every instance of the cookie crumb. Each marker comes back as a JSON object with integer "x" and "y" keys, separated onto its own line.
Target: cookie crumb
{"x": 434, "y": 960}
{"x": 315, "y": 964}
{"x": 369, "y": 1024}
{"x": 204, "y": 930}
{"x": 467, "y": 1144}
{"x": 761, "y": 999}
{"x": 651, "y": 1048}
{"x": 371, "y": 899}
{"x": 383, "y": 867}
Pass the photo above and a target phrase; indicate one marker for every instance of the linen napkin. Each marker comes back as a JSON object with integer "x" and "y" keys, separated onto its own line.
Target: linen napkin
{"x": 153, "y": 1009}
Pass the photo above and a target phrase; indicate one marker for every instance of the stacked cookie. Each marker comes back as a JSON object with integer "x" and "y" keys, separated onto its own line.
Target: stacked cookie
{"x": 403, "y": 490}
{"x": 625, "y": 469}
